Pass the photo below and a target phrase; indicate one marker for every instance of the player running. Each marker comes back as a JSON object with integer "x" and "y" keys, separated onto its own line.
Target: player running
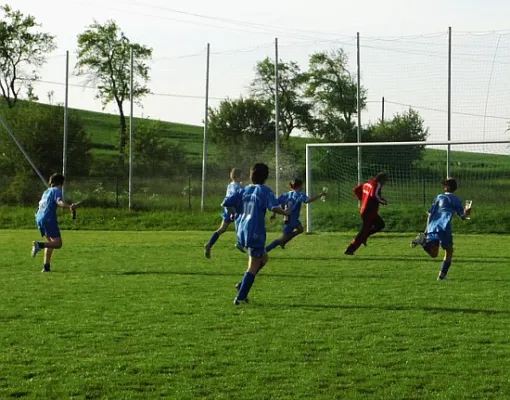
{"x": 292, "y": 201}
{"x": 251, "y": 203}
{"x": 227, "y": 218}
{"x": 369, "y": 193}
{"x": 46, "y": 219}
{"x": 439, "y": 226}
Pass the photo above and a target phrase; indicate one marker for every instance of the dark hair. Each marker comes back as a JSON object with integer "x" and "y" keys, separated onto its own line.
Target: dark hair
{"x": 294, "y": 184}
{"x": 56, "y": 180}
{"x": 381, "y": 177}
{"x": 259, "y": 173}
{"x": 450, "y": 184}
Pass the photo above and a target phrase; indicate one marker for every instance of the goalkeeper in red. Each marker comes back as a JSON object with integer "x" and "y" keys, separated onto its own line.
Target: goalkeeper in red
{"x": 439, "y": 226}
{"x": 369, "y": 194}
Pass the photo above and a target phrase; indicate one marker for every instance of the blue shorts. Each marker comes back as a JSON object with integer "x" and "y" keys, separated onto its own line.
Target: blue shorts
{"x": 49, "y": 229}
{"x": 443, "y": 238}
{"x": 256, "y": 251}
{"x": 289, "y": 228}
{"x": 225, "y": 215}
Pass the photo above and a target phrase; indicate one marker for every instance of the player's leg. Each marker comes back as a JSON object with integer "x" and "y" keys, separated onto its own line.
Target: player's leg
{"x": 298, "y": 230}
{"x": 287, "y": 234}
{"x": 447, "y": 244}
{"x": 362, "y": 235}
{"x": 258, "y": 258}
{"x": 378, "y": 225}
{"x": 220, "y": 231}
{"x": 54, "y": 239}
{"x": 276, "y": 243}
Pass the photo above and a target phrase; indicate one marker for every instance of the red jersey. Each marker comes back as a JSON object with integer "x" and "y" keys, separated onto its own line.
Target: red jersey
{"x": 369, "y": 193}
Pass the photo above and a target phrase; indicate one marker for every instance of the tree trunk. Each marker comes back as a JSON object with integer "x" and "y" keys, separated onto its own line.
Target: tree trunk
{"x": 123, "y": 128}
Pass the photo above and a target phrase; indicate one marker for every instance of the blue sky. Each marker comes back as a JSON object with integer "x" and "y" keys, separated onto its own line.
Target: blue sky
{"x": 403, "y": 52}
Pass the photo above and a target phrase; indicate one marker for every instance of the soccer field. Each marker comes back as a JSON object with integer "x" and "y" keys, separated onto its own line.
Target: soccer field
{"x": 142, "y": 315}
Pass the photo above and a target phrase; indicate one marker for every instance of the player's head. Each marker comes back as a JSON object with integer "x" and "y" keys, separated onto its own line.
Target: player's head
{"x": 56, "y": 180}
{"x": 450, "y": 185}
{"x": 381, "y": 177}
{"x": 296, "y": 184}
{"x": 259, "y": 173}
{"x": 235, "y": 174}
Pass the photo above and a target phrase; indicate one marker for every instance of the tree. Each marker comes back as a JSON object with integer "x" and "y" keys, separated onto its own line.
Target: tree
{"x": 23, "y": 50}
{"x": 295, "y": 112}
{"x": 406, "y": 127}
{"x": 241, "y": 128}
{"x": 104, "y": 58}
{"x": 334, "y": 92}
{"x": 154, "y": 155}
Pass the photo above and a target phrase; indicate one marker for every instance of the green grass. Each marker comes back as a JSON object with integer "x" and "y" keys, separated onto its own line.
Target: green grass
{"x": 137, "y": 315}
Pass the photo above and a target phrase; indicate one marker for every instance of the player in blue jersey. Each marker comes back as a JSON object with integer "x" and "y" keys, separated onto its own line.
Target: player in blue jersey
{"x": 46, "y": 219}
{"x": 292, "y": 201}
{"x": 439, "y": 225}
{"x": 251, "y": 204}
{"x": 227, "y": 218}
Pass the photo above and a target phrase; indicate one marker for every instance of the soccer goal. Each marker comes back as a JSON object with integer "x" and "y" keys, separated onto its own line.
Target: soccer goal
{"x": 415, "y": 169}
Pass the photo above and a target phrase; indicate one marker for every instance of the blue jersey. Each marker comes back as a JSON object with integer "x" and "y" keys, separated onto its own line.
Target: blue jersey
{"x": 47, "y": 211}
{"x": 251, "y": 204}
{"x": 231, "y": 189}
{"x": 441, "y": 212}
{"x": 292, "y": 201}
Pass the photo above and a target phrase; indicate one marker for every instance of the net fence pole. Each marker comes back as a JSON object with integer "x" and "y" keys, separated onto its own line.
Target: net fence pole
{"x": 66, "y": 121}
{"x": 206, "y": 126}
{"x": 449, "y": 127}
{"x": 358, "y": 106}
{"x": 277, "y": 117}
{"x": 308, "y": 190}
{"x": 382, "y": 109}
{"x": 131, "y": 98}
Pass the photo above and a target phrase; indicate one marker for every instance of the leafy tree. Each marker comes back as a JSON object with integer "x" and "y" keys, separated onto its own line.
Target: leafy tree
{"x": 152, "y": 153}
{"x": 40, "y": 131}
{"x": 405, "y": 127}
{"x": 333, "y": 90}
{"x": 242, "y": 128}
{"x": 295, "y": 112}
{"x": 104, "y": 58}
{"x": 23, "y": 50}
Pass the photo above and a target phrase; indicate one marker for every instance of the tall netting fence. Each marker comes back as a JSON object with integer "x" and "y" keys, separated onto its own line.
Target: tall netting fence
{"x": 415, "y": 178}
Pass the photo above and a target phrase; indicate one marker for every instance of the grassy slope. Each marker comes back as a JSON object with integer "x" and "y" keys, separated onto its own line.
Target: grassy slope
{"x": 149, "y": 317}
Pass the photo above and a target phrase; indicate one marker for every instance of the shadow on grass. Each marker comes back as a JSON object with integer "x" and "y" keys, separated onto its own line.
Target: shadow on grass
{"x": 424, "y": 258}
{"x": 391, "y": 308}
{"x": 263, "y": 275}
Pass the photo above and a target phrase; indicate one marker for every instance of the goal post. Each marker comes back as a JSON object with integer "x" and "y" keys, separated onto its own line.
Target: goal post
{"x": 415, "y": 172}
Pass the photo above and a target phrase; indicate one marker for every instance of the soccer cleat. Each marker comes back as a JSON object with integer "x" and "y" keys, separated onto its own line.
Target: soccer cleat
{"x": 444, "y": 278}
{"x": 240, "y": 247}
{"x": 207, "y": 251}
{"x": 35, "y": 249}
{"x": 348, "y": 252}
{"x": 46, "y": 269}
{"x": 419, "y": 240}
{"x": 282, "y": 245}
{"x": 237, "y": 302}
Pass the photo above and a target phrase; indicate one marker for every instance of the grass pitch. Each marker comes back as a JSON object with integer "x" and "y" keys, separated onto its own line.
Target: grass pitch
{"x": 138, "y": 315}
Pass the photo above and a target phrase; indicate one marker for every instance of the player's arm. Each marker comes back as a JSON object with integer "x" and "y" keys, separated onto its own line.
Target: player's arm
{"x": 233, "y": 203}
{"x": 378, "y": 196}
{"x": 315, "y": 198}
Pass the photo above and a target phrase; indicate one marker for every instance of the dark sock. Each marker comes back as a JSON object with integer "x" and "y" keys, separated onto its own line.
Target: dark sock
{"x": 445, "y": 267}
{"x": 42, "y": 245}
{"x": 273, "y": 245}
{"x": 213, "y": 239}
{"x": 246, "y": 284}
{"x": 46, "y": 267}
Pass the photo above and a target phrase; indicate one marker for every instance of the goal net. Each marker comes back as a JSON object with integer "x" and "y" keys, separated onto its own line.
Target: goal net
{"x": 415, "y": 171}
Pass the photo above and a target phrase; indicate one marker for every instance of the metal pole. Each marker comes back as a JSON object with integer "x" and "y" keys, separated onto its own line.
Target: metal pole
{"x": 277, "y": 116}
{"x": 358, "y": 110}
{"x": 308, "y": 190}
{"x": 66, "y": 119}
{"x": 206, "y": 124}
{"x": 448, "y": 150}
{"x": 131, "y": 130}
{"x": 382, "y": 111}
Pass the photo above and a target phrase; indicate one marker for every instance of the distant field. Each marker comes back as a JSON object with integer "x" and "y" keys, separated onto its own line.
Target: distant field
{"x": 138, "y": 315}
